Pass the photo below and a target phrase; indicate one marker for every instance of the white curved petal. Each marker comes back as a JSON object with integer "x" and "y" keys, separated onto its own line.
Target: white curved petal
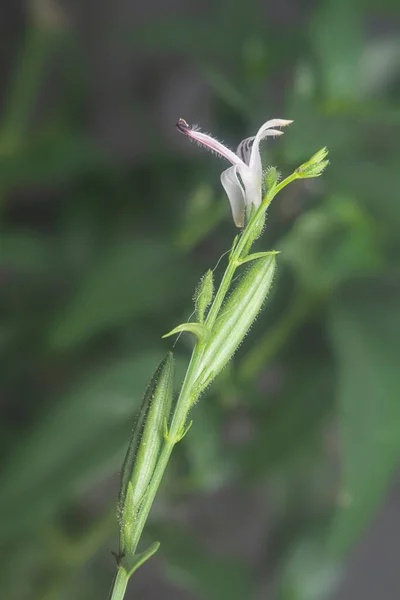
{"x": 252, "y": 185}
{"x": 264, "y": 131}
{"x": 235, "y": 193}
{"x": 244, "y": 149}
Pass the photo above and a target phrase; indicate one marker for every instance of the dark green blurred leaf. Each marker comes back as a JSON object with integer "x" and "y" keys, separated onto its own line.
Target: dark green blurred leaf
{"x": 380, "y": 65}
{"x": 375, "y": 183}
{"x": 180, "y": 35}
{"x": 132, "y": 278}
{"x": 192, "y": 567}
{"x": 309, "y": 572}
{"x": 33, "y": 558}
{"x": 26, "y": 252}
{"x": 291, "y": 424}
{"x": 82, "y": 437}
{"x": 50, "y": 157}
{"x": 337, "y": 39}
{"x": 209, "y": 466}
{"x": 387, "y": 7}
{"x": 227, "y": 91}
{"x": 38, "y": 44}
{"x": 314, "y": 127}
{"x": 365, "y": 331}
{"x": 202, "y": 213}
{"x": 331, "y": 243}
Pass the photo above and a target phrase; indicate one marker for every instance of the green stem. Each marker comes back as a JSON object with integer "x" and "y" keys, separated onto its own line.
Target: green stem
{"x": 185, "y": 400}
{"x": 178, "y": 422}
{"x": 119, "y": 585}
{"x": 280, "y": 187}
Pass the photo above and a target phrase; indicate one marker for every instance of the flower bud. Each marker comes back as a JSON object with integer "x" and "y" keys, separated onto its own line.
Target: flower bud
{"x": 272, "y": 176}
{"x": 204, "y": 295}
{"x": 315, "y": 166}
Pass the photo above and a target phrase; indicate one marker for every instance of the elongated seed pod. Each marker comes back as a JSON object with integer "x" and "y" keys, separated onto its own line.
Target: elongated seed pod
{"x": 147, "y": 435}
{"x": 236, "y": 316}
{"x": 153, "y": 430}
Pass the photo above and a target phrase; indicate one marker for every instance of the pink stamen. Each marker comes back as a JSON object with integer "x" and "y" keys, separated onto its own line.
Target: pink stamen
{"x": 182, "y": 126}
{"x": 208, "y": 141}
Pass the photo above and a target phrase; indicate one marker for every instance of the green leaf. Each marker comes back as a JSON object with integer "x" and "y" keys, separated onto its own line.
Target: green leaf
{"x": 132, "y": 278}
{"x": 132, "y": 563}
{"x": 365, "y": 332}
{"x": 235, "y": 318}
{"x": 256, "y": 255}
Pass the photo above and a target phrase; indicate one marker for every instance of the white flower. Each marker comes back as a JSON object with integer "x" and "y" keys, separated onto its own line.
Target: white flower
{"x": 243, "y": 181}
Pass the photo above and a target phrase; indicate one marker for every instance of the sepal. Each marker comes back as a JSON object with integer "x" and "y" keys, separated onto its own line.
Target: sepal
{"x": 198, "y": 329}
{"x": 204, "y": 295}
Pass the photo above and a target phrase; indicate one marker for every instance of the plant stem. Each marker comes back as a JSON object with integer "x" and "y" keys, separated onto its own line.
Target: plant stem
{"x": 185, "y": 400}
{"x": 181, "y": 411}
{"x": 119, "y": 585}
{"x": 177, "y": 424}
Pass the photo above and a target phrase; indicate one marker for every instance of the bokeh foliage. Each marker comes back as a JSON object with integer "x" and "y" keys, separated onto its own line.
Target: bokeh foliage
{"x": 100, "y": 257}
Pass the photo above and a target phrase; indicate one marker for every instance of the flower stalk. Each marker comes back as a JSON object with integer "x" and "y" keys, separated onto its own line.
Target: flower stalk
{"x": 222, "y": 324}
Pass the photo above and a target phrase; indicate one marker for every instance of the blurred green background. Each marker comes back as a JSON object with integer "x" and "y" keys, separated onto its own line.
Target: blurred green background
{"x": 108, "y": 219}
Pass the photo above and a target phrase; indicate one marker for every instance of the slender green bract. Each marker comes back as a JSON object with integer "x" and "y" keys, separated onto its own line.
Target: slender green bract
{"x": 204, "y": 295}
{"x": 152, "y": 437}
{"x": 223, "y": 320}
{"x": 236, "y": 317}
{"x": 143, "y": 449}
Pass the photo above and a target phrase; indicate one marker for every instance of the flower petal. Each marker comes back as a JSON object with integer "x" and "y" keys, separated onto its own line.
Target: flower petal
{"x": 235, "y": 193}
{"x": 209, "y": 142}
{"x": 252, "y": 185}
{"x": 244, "y": 149}
{"x": 264, "y": 131}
